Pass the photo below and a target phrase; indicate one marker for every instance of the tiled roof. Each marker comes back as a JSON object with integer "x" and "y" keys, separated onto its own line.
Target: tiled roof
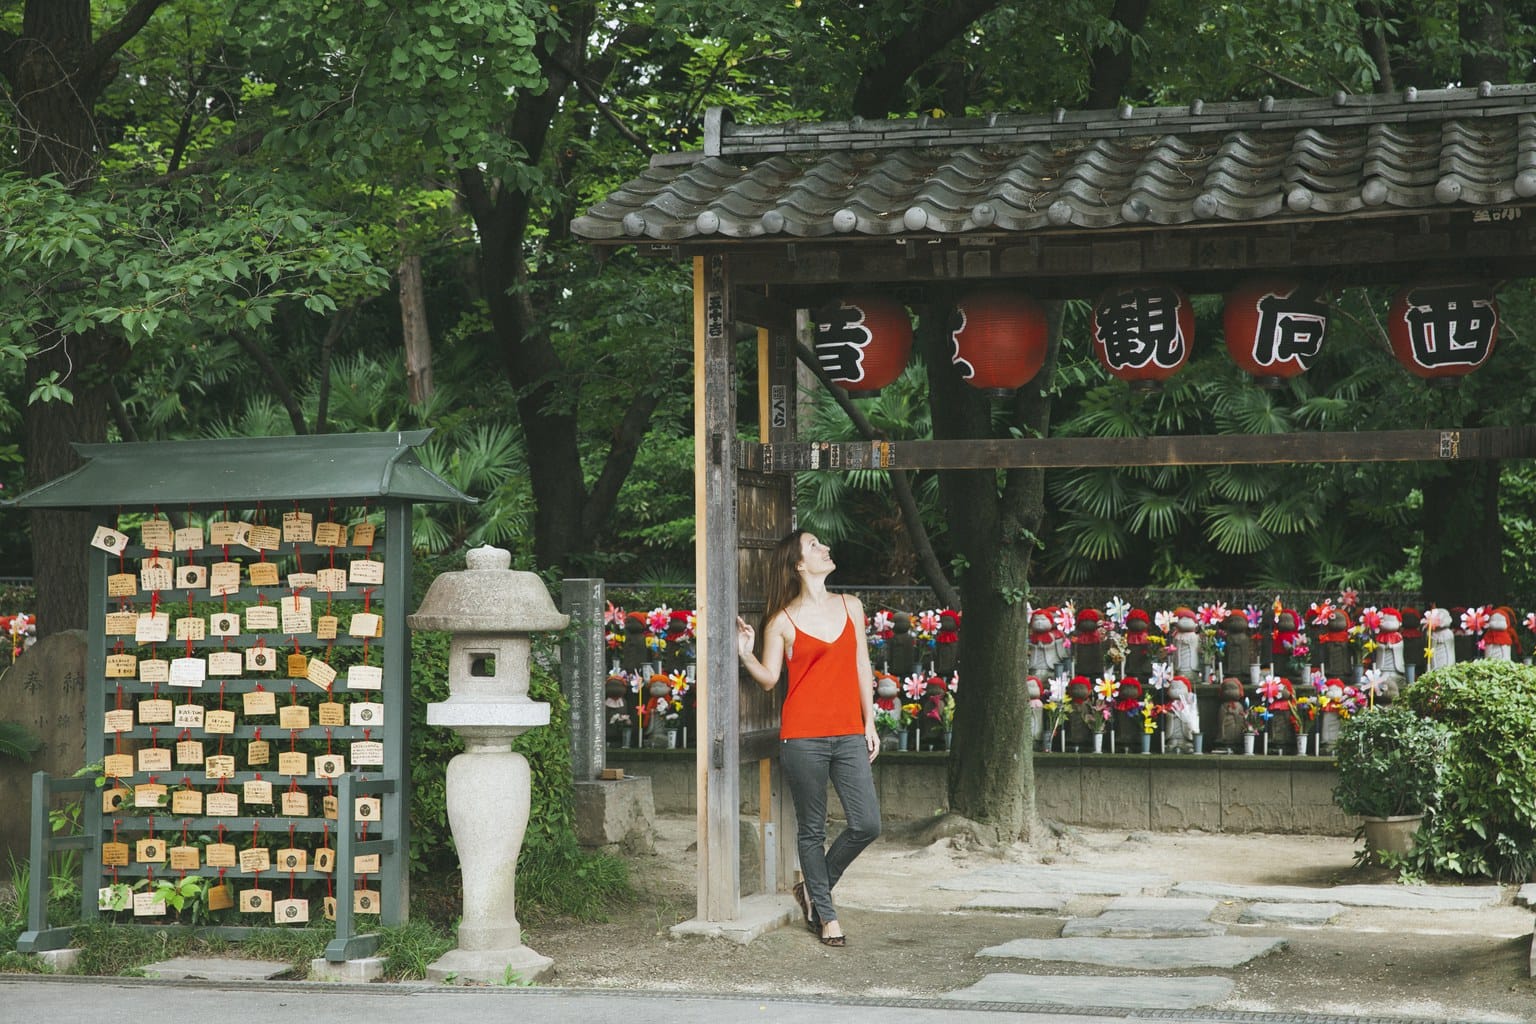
{"x": 1230, "y": 162}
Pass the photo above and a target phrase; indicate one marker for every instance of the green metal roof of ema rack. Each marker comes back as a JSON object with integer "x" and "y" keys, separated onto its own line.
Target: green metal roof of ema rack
{"x": 243, "y": 470}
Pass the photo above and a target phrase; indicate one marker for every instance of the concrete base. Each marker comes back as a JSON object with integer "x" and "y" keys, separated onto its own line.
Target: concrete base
{"x": 368, "y": 968}
{"x": 215, "y": 968}
{"x": 60, "y": 961}
{"x": 616, "y": 814}
{"x": 757, "y": 916}
{"x": 517, "y": 966}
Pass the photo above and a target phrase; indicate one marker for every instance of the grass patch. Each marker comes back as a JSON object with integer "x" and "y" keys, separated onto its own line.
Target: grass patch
{"x": 566, "y": 881}
{"x": 409, "y": 949}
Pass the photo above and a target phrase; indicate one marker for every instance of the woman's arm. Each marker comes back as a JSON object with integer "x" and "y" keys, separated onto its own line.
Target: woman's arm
{"x": 766, "y": 672}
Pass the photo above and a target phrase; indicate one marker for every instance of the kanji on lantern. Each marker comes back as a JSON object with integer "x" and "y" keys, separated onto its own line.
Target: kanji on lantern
{"x": 863, "y": 343}
{"x": 1443, "y": 330}
{"x": 1274, "y": 327}
{"x": 1142, "y": 332}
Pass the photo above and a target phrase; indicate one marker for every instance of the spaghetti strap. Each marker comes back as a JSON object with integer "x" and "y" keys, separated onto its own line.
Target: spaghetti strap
{"x": 792, "y": 622}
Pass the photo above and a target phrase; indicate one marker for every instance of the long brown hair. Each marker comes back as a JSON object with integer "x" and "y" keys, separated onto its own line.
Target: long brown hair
{"x": 783, "y": 583}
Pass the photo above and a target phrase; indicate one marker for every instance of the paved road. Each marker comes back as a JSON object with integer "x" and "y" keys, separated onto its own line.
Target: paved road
{"x": 70, "y": 1000}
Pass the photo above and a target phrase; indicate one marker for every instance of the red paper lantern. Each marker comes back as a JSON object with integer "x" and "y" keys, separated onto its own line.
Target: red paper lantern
{"x": 1274, "y": 327}
{"x": 1443, "y": 330}
{"x": 1000, "y": 341}
{"x": 863, "y": 343}
{"x": 1142, "y": 332}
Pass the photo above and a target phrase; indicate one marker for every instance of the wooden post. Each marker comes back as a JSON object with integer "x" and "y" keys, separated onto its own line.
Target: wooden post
{"x": 718, "y": 765}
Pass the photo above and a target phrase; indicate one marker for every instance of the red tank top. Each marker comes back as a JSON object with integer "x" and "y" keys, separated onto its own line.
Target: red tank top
{"x": 823, "y": 698}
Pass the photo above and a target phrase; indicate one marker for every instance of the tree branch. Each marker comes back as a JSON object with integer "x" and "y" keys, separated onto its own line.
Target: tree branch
{"x": 621, "y": 457}
{"x": 605, "y": 110}
{"x": 901, "y": 485}
{"x": 898, "y": 57}
{"x": 116, "y": 37}
{"x": 275, "y": 380}
{"x": 327, "y": 345}
{"x": 1109, "y": 69}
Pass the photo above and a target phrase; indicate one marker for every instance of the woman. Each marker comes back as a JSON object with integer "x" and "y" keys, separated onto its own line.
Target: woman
{"x": 827, "y": 730}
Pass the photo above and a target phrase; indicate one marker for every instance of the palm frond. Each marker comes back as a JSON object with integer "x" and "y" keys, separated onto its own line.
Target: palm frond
{"x": 1235, "y": 529}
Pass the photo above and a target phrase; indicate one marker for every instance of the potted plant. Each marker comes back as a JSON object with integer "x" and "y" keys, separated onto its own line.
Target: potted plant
{"x": 1390, "y": 763}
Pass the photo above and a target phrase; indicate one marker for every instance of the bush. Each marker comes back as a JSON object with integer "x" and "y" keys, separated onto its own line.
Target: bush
{"x": 1486, "y": 822}
{"x": 1390, "y": 762}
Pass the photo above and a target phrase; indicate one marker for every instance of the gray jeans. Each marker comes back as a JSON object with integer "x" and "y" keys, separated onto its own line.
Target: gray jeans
{"x": 809, "y": 764}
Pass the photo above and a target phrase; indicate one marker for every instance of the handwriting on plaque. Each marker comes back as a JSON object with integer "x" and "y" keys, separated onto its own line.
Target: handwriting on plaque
{"x": 257, "y": 858}
{"x": 119, "y": 623}
{"x": 320, "y": 673}
{"x": 295, "y": 803}
{"x": 223, "y": 534}
{"x": 331, "y": 713}
{"x": 225, "y": 664}
{"x": 293, "y": 716}
{"x": 260, "y": 618}
{"x": 298, "y": 666}
{"x": 365, "y": 677}
{"x": 330, "y": 807}
{"x": 262, "y": 574}
{"x": 122, "y": 666}
{"x": 258, "y": 753}
{"x": 148, "y": 904}
{"x": 326, "y": 626}
{"x": 188, "y": 672}
{"x": 189, "y": 716}
{"x": 191, "y": 627}
{"x": 331, "y": 581}
{"x": 120, "y": 720}
{"x": 149, "y": 794}
{"x": 156, "y": 534}
{"x": 365, "y": 864}
{"x": 188, "y": 538}
{"x": 189, "y": 752}
{"x": 187, "y": 801}
{"x": 363, "y": 535}
{"x": 366, "y": 624}
{"x": 259, "y": 702}
{"x": 122, "y": 584}
{"x": 117, "y": 766}
{"x": 152, "y": 628}
{"x": 257, "y": 791}
{"x": 330, "y": 535}
{"x": 221, "y": 723}
{"x": 220, "y": 855}
{"x": 153, "y": 579}
{"x": 154, "y": 670}
{"x": 298, "y": 527}
{"x": 219, "y": 766}
{"x": 155, "y": 759}
{"x": 222, "y": 805}
{"x": 367, "y": 752}
{"x": 185, "y": 858}
{"x": 223, "y": 578}
{"x": 156, "y": 711}
{"x": 365, "y": 571}
{"x": 265, "y": 538}
{"x": 114, "y": 855}
{"x": 301, "y": 581}
{"x": 295, "y": 616}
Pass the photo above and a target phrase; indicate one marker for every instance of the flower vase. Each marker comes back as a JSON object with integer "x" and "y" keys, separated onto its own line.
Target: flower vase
{"x": 1301, "y": 744}
{"x": 902, "y": 736}
{"x": 1199, "y": 743}
{"x": 1146, "y": 743}
{"x": 629, "y": 737}
{"x": 1248, "y": 738}
{"x": 671, "y": 739}
{"x": 1046, "y": 740}
{"x": 1098, "y": 743}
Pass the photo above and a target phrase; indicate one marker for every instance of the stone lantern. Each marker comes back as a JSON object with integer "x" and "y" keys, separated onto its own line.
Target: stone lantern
{"x": 488, "y": 612}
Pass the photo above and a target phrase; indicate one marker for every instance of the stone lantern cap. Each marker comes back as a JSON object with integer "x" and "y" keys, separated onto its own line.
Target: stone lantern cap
{"x": 488, "y": 597}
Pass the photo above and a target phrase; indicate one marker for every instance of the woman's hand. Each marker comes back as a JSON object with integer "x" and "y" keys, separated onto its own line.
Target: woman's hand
{"x": 872, "y": 741}
{"x": 746, "y": 637}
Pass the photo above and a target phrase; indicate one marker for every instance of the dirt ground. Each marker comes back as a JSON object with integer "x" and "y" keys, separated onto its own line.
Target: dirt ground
{"x": 908, "y": 939}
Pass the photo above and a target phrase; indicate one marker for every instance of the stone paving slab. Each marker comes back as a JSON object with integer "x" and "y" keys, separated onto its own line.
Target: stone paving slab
{"x": 186, "y": 968}
{"x": 1164, "y": 904}
{"x": 1527, "y": 894}
{"x": 1143, "y": 924}
{"x": 1395, "y": 897}
{"x": 1037, "y": 879}
{"x": 1132, "y": 993}
{"x": 1305, "y": 914}
{"x": 1043, "y": 902}
{"x": 1140, "y": 954}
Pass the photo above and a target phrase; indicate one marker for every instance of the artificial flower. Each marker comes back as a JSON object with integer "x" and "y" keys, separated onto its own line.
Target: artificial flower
{"x": 1116, "y": 609}
{"x": 1066, "y": 618}
{"x": 656, "y": 619}
{"x": 1530, "y": 621}
{"x": 1057, "y": 688}
{"x": 1162, "y": 675}
{"x": 1213, "y": 613}
{"x": 1163, "y": 620}
{"x": 1348, "y": 597}
{"x": 1105, "y": 688}
{"x": 1475, "y": 620}
{"x": 928, "y": 623}
{"x": 914, "y": 685}
{"x": 1321, "y": 612}
{"x": 614, "y": 616}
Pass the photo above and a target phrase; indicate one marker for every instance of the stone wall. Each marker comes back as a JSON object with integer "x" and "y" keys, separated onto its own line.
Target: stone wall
{"x": 44, "y": 691}
{"x": 1213, "y": 792}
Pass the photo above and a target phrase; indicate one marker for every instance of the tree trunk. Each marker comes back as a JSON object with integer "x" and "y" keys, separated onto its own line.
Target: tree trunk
{"x": 1486, "y": 54}
{"x": 1462, "y": 558}
{"x": 413, "y": 329}
{"x": 61, "y": 540}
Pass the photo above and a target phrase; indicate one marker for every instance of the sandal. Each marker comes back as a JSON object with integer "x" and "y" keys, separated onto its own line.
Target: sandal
{"x": 836, "y": 941}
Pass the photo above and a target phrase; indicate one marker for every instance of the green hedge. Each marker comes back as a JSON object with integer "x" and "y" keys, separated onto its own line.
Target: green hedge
{"x": 1485, "y": 825}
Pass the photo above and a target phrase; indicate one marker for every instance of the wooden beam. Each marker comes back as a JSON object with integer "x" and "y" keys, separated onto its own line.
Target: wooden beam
{"x": 1182, "y": 450}
{"x": 749, "y": 306}
{"x": 717, "y": 770}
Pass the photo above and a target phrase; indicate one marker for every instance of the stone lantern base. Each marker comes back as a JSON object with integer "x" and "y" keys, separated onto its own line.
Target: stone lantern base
{"x": 491, "y": 966}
